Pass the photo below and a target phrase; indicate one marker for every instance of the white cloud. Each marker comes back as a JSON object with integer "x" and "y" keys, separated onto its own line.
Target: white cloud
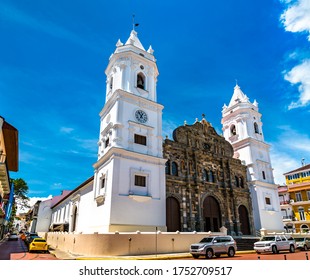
{"x": 292, "y": 140}
{"x": 66, "y": 130}
{"x": 282, "y": 162}
{"x": 286, "y": 154}
{"x": 300, "y": 75}
{"x": 32, "y": 201}
{"x": 296, "y": 18}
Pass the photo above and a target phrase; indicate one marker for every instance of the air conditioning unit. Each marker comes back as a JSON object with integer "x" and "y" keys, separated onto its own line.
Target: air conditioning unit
{"x": 292, "y": 201}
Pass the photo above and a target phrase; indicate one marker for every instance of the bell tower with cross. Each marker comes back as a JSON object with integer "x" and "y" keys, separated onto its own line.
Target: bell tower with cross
{"x": 129, "y": 180}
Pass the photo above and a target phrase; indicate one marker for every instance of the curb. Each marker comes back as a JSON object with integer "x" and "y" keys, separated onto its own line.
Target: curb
{"x": 67, "y": 256}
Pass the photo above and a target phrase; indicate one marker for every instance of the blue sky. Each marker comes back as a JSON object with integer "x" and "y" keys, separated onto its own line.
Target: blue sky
{"x": 52, "y": 81}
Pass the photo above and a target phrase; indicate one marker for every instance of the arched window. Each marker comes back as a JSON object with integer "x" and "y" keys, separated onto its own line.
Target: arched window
{"x": 256, "y": 128}
{"x": 241, "y": 182}
{"x": 211, "y": 176}
{"x": 301, "y": 212}
{"x": 168, "y": 167}
{"x": 74, "y": 218}
{"x": 111, "y": 83}
{"x": 174, "y": 169}
{"x": 204, "y": 175}
{"x": 233, "y": 130}
{"x": 237, "y": 181}
{"x": 141, "y": 81}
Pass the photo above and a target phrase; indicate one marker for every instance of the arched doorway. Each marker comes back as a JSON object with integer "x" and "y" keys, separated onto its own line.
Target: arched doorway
{"x": 74, "y": 216}
{"x": 211, "y": 214}
{"x": 244, "y": 220}
{"x": 173, "y": 219}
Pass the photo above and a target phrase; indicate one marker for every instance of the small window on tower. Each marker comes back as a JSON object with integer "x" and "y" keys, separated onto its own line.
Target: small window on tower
{"x": 141, "y": 81}
{"x": 140, "y": 181}
{"x": 111, "y": 83}
{"x": 233, "y": 130}
{"x": 264, "y": 175}
{"x": 140, "y": 139}
{"x": 256, "y": 128}
{"x": 267, "y": 200}
{"x": 107, "y": 142}
{"x": 103, "y": 182}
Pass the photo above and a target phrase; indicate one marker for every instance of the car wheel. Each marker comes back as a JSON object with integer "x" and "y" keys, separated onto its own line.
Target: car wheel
{"x": 274, "y": 249}
{"x": 292, "y": 249}
{"x": 231, "y": 252}
{"x": 209, "y": 254}
{"x": 195, "y": 256}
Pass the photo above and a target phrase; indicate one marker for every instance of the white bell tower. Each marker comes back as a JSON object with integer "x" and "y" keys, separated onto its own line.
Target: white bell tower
{"x": 129, "y": 180}
{"x": 242, "y": 127}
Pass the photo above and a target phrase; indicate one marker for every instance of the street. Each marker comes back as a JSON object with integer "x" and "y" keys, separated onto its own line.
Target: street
{"x": 17, "y": 250}
{"x": 298, "y": 255}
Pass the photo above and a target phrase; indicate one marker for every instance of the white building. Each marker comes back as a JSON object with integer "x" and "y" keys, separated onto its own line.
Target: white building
{"x": 41, "y": 216}
{"x": 242, "y": 127}
{"x": 127, "y": 192}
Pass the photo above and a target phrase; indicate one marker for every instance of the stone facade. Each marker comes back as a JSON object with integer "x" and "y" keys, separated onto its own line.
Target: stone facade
{"x": 205, "y": 186}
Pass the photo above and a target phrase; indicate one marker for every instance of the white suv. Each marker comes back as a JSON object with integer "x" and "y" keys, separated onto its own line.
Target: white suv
{"x": 275, "y": 243}
{"x": 214, "y": 245}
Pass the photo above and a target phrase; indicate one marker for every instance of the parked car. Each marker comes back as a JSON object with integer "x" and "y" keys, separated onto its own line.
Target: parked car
{"x": 214, "y": 245}
{"x": 38, "y": 244}
{"x": 275, "y": 243}
{"x": 302, "y": 243}
{"x": 13, "y": 237}
{"x": 30, "y": 237}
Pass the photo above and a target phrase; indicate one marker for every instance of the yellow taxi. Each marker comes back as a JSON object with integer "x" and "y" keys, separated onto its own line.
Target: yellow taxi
{"x": 38, "y": 244}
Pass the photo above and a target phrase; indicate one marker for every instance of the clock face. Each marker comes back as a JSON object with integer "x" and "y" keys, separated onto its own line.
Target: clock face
{"x": 141, "y": 116}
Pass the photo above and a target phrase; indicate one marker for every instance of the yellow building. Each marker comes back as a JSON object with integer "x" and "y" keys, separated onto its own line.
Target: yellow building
{"x": 298, "y": 183}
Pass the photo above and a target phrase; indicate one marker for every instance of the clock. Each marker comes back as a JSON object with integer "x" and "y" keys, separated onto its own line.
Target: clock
{"x": 141, "y": 116}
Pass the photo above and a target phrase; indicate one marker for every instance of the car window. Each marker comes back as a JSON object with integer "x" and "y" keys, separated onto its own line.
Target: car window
{"x": 206, "y": 240}
{"x": 299, "y": 239}
{"x": 225, "y": 239}
{"x": 283, "y": 238}
{"x": 268, "y": 238}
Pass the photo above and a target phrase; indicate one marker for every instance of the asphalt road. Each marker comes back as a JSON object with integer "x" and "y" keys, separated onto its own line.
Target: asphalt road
{"x": 17, "y": 250}
{"x": 298, "y": 255}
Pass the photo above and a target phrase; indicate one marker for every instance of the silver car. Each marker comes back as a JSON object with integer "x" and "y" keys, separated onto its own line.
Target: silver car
{"x": 302, "y": 243}
{"x": 214, "y": 246}
{"x": 275, "y": 244}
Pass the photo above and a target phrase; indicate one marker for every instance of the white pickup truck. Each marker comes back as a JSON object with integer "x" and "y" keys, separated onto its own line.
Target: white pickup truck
{"x": 275, "y": 243}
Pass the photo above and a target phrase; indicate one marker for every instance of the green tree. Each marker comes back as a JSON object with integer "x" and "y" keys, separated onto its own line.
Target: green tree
{"x": 21, "y": 200}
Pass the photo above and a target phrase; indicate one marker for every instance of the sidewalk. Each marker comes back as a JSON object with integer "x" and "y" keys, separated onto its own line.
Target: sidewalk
{"x": 68, "y": 256}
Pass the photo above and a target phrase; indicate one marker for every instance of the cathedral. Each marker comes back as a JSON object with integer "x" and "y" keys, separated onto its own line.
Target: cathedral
{"x": 199, "y": 181}
{"x": 206, "y": 187}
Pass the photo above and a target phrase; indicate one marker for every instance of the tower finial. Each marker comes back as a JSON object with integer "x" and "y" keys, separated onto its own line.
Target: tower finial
{"x": 133, "y": 23}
